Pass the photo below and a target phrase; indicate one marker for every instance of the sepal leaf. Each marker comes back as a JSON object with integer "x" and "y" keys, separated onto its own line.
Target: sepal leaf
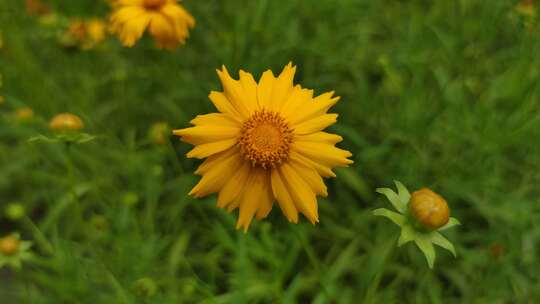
{"x": 393, "y": 198}
{"x": 403, "y": 194}
{"x": 439, "y": 240}
{"x": 427, "y": 249}
{"x": 451, "y": 223}
{"x": 407, "y": 234}
{"x": 395, "y": 217}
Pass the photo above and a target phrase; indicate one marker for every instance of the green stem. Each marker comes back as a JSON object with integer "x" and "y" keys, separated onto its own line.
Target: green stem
{"x": 40, "y": 238}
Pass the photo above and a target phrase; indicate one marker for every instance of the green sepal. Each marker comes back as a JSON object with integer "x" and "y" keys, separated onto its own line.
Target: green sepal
{"x": 395, "y": 217}
{"x": 439, "y": 240}
{"x": 403, "y": 194}
{"x": 425, "y": 245}
{"x": 393, "y": 198}
{"x": 451, "y": 223}
{"x": 407, "y": 234}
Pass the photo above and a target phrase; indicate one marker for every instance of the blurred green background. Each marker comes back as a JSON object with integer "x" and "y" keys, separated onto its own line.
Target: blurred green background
{"x": 439, "y": 94}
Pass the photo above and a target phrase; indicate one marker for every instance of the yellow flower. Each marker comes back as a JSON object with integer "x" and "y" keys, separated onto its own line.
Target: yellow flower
{"x": 429, "y": 209}
{"x": 9, "y": 245}
{"x": 267, "y": 143}
{"x": 167, "y": 21}
{"x": 66, "y": 122}
{"x": 24, "y": 113}
{"x": 95, "y": 28}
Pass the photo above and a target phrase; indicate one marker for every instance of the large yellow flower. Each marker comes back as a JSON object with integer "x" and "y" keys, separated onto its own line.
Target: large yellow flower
{"x": 167, "y": 21}
{"x": 266, "y": 144}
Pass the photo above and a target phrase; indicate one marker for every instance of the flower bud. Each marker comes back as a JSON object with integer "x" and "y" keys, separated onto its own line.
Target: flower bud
{"x": 159, "y": 133}
{"x": 15, "y": 211}
{"x": 429, "y": 209}
{"x": 9, "y": 245}
{"x": 145, "y": 287}
{"x": 66, "y": 122}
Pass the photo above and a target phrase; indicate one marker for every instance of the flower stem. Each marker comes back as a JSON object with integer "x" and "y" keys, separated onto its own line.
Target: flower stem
{"x": 376, "y": 281}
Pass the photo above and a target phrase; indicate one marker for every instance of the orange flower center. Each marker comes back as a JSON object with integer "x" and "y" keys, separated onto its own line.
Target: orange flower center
{"x": 265, "y": 139}
{"x": 154, "y": 4}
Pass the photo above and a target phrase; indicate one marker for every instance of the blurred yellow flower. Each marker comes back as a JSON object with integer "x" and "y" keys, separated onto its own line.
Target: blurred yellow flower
{"x": 36, "y": 8}
{"x": 429, "y": 208}
{"x": 159, "y": 132}
{"x": 86, "y": 34}
{"x": 96, "y": 30}
{"x": 167, "y": 21}
{"x": 267, "y": 143}
{"x": 526, "y": 8}
{"x": 9, "y": 245}
{"x": 66, "y": 122}
{"x": 24, "y": 113}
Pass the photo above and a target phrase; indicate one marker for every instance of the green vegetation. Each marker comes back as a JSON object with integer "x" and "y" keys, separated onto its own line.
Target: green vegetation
{"x": 438, "y": 94}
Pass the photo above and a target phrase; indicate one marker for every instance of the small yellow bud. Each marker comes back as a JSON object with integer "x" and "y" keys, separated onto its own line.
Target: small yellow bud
{"x": 159, "y": 133}
{"x": 24, "y": 113}
{"x": 429, "y": 209}
{"x": 9, "y": 245}
{"x": 66, "y": 122}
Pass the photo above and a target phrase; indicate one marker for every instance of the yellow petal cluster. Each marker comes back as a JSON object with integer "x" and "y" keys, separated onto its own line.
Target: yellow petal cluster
{"x": 167, "y": 22}
{"x": 265, "y": 144}
{"x": 66, "y": 122}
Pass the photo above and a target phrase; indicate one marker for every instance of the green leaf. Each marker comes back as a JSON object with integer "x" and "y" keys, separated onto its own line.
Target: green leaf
{"x": 451, "y": 223}
{"x": 407, "y": 234}
{"x": 439, "y": 240}
{"x": 395, "y": 217}
{"x": 403, "y": 193}
{"x": 393, "y": 198}
{"x": 427, "y": 249}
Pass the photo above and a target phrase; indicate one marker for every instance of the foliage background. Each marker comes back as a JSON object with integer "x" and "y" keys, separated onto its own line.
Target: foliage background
{"x": 443, "y": 94}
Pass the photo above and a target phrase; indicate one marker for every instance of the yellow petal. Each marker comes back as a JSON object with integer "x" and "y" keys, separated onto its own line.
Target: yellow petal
{"x": 264, "y": 90}
{"x": 131, "y": 30}
{"x": 215, "y": 119}
{"x": 250, "y": 88}
{"x": 162, "y": 29}
{"x": 234, "y": 92}
{"x": 206, "y": 134}
{"x": 304, "y": 198}
{"x": 266, "y": 197}
{"x": 296, "y": 100}
{"x": 215, "y": 177}
{"x": 223, "y": 105}
{"x": 324, "y": 154}
{"x": 251, "y": 197}
{"x": 234, "y": 186}
{"x": 316, "y": 124}
{"x": 283, "y": 196}
{"x": 205, "y": 150}
{"x": 323, "y": 137}
{"x": 311, "y": 177}
{"x": 283, "y": 87}
{"x": 323, "y": 170}
{"x": 317, "y": 107}
{"x": 212, "y": 160}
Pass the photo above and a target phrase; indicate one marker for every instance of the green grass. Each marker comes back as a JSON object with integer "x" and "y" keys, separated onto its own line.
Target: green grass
{"x": 439, "y": 94}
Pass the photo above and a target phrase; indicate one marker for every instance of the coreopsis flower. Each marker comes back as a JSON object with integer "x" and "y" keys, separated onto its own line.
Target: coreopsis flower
{"x": 421, "y": 217}
{"x": 24, "y": 114}
{"x": 13, "y": 251}
{"x": 66, "y": 122}
{"x": 526, "y": 8}
{"x": 266, "y": 144}
{"x": 166, "y": 20}
{"x": 85, "y": 34}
